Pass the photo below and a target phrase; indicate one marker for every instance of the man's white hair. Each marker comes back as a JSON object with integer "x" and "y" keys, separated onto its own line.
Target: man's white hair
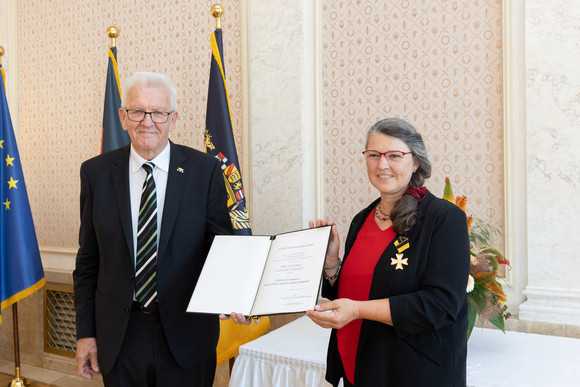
{"x": 150, "y": 79}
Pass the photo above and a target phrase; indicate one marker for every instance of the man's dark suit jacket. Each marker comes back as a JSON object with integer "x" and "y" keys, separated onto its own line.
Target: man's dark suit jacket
{"x": 427, "y": 344}
{"x": 104, "y": 279}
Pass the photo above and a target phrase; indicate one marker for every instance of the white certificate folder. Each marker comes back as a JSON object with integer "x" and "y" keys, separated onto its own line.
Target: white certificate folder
{"x": 262, "y": 275}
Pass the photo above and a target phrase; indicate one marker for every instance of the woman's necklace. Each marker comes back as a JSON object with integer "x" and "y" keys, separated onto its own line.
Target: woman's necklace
{"x": 379, "y": 217}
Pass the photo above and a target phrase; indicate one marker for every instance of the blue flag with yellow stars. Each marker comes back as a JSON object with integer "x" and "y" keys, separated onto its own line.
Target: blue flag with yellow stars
{"x": 219, "y": 137}
{"x": 21, "y": 271}
{"x": 113, "y": 134}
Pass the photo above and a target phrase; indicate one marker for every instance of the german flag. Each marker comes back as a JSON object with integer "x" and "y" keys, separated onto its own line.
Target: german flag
{"x": 113, "y": 135}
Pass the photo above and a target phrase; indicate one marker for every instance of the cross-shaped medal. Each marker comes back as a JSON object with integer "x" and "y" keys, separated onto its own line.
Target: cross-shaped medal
{"x": 400, "y": 261}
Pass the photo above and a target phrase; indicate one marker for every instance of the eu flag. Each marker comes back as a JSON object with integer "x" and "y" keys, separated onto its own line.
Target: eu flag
{"x": 21, "y": 271}
{"x": 219, "y": 137}
{"x": 113, "y": 136}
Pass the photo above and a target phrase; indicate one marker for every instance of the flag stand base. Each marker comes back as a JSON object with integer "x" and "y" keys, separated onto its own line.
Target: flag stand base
{"x": 18, "y": 381}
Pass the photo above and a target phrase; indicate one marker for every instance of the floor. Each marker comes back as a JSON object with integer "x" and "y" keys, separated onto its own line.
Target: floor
{"x": 48, "y": 378}
{"x": 39, "y": 377}
{"x": 5, "y": 380}
{"x": 546, "y": 359}
{"x": 43, "y": 377}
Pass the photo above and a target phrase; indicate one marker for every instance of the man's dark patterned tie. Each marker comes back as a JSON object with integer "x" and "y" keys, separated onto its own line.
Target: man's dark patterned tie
{"x": 146, "y": 266}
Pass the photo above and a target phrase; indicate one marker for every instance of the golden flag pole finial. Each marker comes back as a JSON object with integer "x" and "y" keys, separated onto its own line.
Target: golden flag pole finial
{"x": 1, "y": 53}
{"x": 217, "y": 11}
{"x": 113, "y": 33}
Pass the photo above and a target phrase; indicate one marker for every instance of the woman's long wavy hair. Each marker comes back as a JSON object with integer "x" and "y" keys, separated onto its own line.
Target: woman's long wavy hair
{"x": 404, "y": 213}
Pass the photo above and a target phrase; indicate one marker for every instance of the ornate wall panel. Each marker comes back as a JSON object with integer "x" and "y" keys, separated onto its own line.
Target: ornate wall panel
{"x": 63, "y": 61}
{"x": 437, "y": 64}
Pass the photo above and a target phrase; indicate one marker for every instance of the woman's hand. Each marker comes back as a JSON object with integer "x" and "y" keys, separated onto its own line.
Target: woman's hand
{"x": 239, "y": 318}
{"x": 333, "y": 246}
{"x": 335, "y": 314}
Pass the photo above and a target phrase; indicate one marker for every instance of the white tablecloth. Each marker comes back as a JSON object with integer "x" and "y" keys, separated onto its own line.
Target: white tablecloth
{"x": 517, "y": 359}
{"x": 295, "y": 355}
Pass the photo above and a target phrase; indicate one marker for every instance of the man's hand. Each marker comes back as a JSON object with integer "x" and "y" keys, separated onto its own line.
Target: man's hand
{"x": 87, "y": 364}
{"x": 239, "y": 318}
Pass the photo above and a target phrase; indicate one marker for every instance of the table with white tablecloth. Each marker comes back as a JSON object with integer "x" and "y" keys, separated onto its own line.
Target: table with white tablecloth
{"x": 295, "y": 355}
{"x": 517, "y": 359}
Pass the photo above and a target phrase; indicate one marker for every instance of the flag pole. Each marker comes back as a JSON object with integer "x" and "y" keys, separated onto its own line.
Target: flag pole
{"x": 18, "y": 381}
{"x": 217, "y": 11}
{"x": 113, "y": 33}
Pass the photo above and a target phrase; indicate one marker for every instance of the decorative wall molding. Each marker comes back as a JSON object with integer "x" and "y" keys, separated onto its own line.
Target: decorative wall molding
{"x": 560, "y": 306}
{"x": 318, "y": 112}
{"x": 514, "y": 93}
{"x": 246, "y": 163}
{"x": 62, "y": 259}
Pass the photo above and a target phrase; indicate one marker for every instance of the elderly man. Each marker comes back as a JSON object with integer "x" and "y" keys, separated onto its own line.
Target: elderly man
{"x": 149, "y": 213}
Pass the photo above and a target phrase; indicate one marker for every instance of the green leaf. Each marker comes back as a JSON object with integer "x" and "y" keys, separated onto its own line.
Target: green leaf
{"x": 471, "y": 316}
{"x": 498, "y": 321}
{"x": 482, "y": 233}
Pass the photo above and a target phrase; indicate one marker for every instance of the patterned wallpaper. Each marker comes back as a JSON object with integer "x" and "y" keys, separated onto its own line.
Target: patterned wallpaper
{"x": 437, "y": 64}
{"x": 63, "y": 61}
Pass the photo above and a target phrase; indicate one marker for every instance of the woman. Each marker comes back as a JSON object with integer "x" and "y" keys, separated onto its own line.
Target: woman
{"x": 399, "y": 302}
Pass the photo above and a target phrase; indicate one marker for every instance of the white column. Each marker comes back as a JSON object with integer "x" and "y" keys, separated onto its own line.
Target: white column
{"x": 282, "y": 111}
{"x": 515, "y": 167}
{"x": 553, "y": 161}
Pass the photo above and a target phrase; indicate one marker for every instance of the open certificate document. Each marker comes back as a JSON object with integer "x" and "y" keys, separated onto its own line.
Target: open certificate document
{"x": 262, "y": 275}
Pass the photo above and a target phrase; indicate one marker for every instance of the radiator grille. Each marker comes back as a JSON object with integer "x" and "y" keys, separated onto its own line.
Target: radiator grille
{"x": 60, "y": 320}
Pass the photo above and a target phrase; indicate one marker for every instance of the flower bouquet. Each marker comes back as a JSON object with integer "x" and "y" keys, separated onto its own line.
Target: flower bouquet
{"x": 485, "y": 295}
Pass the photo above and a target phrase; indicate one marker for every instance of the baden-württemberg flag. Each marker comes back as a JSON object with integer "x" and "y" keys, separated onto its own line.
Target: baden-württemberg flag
{"x": 21, "y": 270}
{"x": 219, "y": 137}
{"x": 113, "y": 134}
{"x": 219, "y": 142}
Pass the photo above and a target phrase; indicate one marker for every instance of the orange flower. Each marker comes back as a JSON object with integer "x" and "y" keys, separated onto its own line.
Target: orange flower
{"x": 484, "y": 276}
{"x": 461, "y": 202}
{"x": 469, "y": 221}
{"x": 485, "y": 294}
{"x": 498, "y": 291}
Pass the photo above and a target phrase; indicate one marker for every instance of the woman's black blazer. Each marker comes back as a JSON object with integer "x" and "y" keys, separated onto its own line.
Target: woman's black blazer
{"x": 427, "y": 344}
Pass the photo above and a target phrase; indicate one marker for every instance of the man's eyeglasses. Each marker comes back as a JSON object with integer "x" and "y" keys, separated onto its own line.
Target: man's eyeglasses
{"x": 139, "y": 115}
{"x": 392, "y": 156}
